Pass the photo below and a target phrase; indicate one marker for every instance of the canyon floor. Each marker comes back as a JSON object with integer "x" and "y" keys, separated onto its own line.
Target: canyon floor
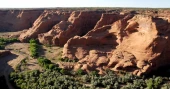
{"x": 19, "y": 52}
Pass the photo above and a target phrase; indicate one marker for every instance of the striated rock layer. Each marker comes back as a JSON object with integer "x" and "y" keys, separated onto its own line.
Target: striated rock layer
{"x": 44, "y": 23}
{"x": 79, "y": 23}
{"x": 17, "y": 20}
{"x": 133, "y": 41}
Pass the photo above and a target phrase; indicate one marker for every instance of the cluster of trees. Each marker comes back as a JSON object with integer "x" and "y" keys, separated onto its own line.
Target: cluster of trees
{"x": 46, "y": 63}
{"x": 47, "y": 79}
{"x": 33, "y": 48}
{"x": 5, "y": 41}
{"x": 52, "y": 79}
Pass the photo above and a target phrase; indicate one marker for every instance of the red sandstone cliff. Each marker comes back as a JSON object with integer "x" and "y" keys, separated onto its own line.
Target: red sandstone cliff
{"x": 17, "y": 20}
{"x": 139, "y": 45}
{"x": 79, "y": 23}
{"x": 44, "y": 23}
{"x": 132, "y": 41}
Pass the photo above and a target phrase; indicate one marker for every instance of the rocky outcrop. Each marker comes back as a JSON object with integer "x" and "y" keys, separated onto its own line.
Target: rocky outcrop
{"x": 44, "y": 23}
{"x": 145, "y": 46}
{"x": 79, "y": 23}
{"x": 108, "y": 19}
{"x": 17, "y": 20}
{"x": 134, "y": 41}
{"x": 139, "y": 45}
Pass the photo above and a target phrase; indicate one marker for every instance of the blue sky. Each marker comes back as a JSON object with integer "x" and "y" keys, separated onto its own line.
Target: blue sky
{"x": 84, "y": 3}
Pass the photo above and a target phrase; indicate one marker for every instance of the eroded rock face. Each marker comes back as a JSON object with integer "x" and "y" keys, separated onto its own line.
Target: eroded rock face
{"x": 137, "y": 44}
{"x": 44, "y": 23}
{"x": 79, "y": 23}
{"x": 143, "y": 48}
{"x": 134, "y": 41}
{"x": 17, "y": 20}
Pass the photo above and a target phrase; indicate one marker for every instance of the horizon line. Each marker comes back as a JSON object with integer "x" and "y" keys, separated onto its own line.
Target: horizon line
{"x": 84, "y": 7}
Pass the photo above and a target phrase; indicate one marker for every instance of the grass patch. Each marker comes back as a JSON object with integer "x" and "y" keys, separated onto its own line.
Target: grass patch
{"x": 67, "y": 60}
{"x": 5, "y": 41}
{"x": 34, "y": 48}
{"x": 21, "y": 65}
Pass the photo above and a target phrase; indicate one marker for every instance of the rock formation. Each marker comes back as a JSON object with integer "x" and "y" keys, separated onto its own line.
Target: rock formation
{"x": 17, "y": 20}
{"x": 79, "y": 23}
{"x": 137, "y": 44}
{"x": 134, "y": 41}
{"x": 44, "y": 23}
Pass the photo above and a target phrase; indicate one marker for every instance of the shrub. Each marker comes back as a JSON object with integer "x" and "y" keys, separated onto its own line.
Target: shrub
{"x": 79, "y": 72}
{"x": 51, "y": 66}
{"x": 116, "y": 85}
{"x": 150, "y": 83}
{"x": 13, "y": 76}
{"x": 85, "y": 78}
{"x": 157, "y": 81}
{"x": 44, "y": 62}
{"x": 67, "y": 60}
{"x": 63, "y": 71}
{"x": 139, "y": 83}
{"x": 34, "y": 48}
{"x": 32, "y": 41}
{"x": 5, "y": 41}
{"x": 94, "y": 73}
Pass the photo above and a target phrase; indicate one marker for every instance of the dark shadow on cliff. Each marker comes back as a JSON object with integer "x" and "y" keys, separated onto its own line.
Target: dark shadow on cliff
{"x": 163, "y": 71}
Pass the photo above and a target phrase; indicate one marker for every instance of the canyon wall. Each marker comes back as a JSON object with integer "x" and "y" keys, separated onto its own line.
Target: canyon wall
{"x": 133, "y": 41}
{"x": 17, "y": 20}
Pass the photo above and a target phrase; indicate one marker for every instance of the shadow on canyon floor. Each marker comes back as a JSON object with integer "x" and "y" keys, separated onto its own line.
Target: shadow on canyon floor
{"x": 5, "y": 70}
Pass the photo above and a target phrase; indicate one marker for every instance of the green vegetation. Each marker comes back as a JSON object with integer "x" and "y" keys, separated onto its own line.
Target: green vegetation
{"x": 80, "y": 72}
{"x": 67, "y": 60}
{"x": 21, "y": 64}
{"x": 153, "y": 83}
{"x": 46, "y": 63}
{"x": 33, "y": 48}
{"x": 94, "y": 73}
{"x": 5, "y": 41}
{"x": 52, "y": 79}
{"x": 44, "y": 80}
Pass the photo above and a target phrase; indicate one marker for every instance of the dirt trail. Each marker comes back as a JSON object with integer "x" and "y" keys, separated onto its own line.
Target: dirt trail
{"x": 19, "y": 51}
{"x": 8, "y": 64}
